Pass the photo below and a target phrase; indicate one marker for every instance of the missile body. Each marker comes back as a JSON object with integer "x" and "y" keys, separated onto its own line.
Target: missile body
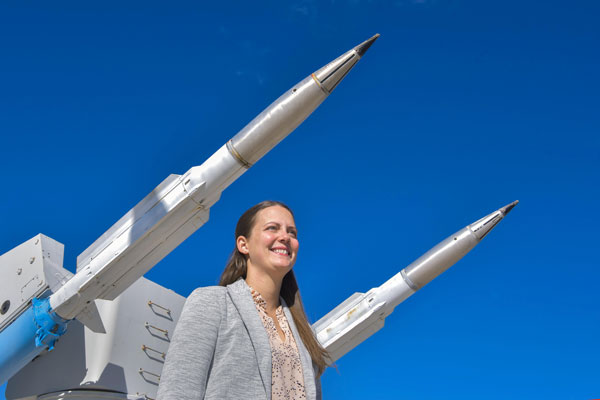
{"x": 363, "y": 314}
{"x": 180, "y": 205}
{"x": 169, "y": 214}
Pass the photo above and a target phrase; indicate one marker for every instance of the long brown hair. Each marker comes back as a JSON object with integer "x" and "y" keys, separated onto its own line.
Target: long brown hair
{"x": 237, "y": 266}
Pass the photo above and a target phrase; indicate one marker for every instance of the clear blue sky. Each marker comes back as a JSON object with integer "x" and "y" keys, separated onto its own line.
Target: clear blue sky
{"x": 459, "y": 108}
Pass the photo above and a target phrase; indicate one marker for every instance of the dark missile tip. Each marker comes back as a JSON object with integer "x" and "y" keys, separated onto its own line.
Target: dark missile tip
{"x": 506, "y": 209}
{"x": 362, "y": 48}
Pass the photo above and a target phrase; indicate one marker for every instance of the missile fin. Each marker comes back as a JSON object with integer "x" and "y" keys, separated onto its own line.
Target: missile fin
{"x": 152, "y": 200}
{"x": 90, "y": 317}
{"x": 339, "y": 310}
{"x": 351, "y": 335}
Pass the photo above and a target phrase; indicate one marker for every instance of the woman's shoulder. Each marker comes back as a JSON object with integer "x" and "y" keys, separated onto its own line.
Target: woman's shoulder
{"x": 204, "y": 304}
{"x": 207, "y": 294}
{"x": 213, "y": 299}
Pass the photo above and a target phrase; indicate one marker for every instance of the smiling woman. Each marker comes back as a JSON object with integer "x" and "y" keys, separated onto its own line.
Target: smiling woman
{"x": 248, "y": 337}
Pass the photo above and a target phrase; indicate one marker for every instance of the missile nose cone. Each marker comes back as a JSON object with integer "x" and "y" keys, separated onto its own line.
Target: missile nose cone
{"x": 289, "y": 110}
{"x": 332, "y": 74}
{"x": 362, "y": 48}
{"x": 449, "y": 251}
{"x": 506, "y": 209}
{"x": 482, "y": 227}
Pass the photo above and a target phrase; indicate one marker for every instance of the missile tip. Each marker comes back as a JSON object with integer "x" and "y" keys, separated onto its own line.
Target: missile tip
{"x": 362, "y": 48}
{"x": 506, "y": 209}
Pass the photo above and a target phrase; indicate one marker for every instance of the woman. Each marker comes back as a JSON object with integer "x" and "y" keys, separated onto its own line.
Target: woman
{"x": 249, "y": 337}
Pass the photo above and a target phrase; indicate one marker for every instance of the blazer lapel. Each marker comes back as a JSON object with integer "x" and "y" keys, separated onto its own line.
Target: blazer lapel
{"x": 307, "y": 366}
{"x": 242, "y": 299}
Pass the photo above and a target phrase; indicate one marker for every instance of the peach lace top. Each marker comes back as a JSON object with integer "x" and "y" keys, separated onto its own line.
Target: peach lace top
{"x": 287, "y": 380}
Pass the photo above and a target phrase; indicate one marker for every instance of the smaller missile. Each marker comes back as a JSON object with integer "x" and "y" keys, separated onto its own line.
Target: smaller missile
{"x": 363, "y": 314}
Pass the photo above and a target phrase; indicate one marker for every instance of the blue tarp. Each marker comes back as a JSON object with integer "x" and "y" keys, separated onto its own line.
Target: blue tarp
{"x": 34, "y": 331}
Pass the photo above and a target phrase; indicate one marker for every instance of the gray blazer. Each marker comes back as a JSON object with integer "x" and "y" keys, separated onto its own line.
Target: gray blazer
{"x": 220, "y": 349}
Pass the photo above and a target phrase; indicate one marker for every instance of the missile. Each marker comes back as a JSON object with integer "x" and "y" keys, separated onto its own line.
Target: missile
{"x": 363, "y": 314}
{"x": 180, "y": 204}
{"x": 165, "y": 218}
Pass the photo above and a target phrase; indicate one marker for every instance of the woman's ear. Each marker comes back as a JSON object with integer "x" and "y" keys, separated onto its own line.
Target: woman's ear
{"x": 242, "y": 244}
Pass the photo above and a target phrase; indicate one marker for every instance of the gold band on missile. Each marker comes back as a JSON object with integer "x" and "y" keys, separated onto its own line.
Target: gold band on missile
{"x": 319, "y": 83}
{"x": 410, "y": 283}
{"x": 237, "y": 155}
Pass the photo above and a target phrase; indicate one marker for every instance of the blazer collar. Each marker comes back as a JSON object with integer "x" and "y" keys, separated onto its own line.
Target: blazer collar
{"x": 240, "y": 294}
{"x": 241, "y": 297}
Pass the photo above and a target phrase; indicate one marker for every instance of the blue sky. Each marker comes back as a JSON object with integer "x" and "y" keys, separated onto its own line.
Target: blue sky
{"x": 458, "y": 109}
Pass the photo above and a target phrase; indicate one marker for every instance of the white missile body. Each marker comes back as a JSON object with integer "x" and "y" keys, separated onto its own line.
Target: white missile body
{"x": 363, "y": 314}
{"x": 180, "y": 204}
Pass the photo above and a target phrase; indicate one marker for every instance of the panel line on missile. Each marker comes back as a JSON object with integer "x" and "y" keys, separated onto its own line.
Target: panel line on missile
{"x": 338, "y": 82}
{"x": 338, "y": 68}
{"x": 319, "y": 84}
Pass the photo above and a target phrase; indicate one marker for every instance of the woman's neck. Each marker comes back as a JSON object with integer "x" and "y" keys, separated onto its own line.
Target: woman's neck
{"x": 268, "y": 288}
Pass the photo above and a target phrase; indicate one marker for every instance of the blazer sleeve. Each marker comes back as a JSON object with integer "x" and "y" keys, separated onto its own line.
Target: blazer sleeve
{"x": 190, "y": 355}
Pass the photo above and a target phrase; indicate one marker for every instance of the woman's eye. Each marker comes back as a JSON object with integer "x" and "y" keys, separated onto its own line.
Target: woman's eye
{"x": 272, "y": 228}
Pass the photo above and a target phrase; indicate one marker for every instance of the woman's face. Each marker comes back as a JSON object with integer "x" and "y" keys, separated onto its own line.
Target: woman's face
{"x": 272, "y": 245}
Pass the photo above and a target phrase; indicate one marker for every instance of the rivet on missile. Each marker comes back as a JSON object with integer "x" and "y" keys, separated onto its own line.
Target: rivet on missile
{"x": 5, "y": 307}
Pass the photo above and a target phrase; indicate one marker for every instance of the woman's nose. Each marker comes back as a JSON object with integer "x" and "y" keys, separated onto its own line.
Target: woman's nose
{"x": 285, "y": 237}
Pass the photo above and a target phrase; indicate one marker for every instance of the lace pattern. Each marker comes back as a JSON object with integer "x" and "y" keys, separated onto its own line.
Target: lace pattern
{"x": 287, "y": 379}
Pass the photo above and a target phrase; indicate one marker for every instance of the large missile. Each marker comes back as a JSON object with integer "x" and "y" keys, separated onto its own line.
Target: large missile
{"x": 164, "y": 219}
{"x": 180, "y": 204}
{"x": 363, "y": 314}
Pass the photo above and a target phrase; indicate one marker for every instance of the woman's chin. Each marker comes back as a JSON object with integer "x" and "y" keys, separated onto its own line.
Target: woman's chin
{"x": 283, "y": 268}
